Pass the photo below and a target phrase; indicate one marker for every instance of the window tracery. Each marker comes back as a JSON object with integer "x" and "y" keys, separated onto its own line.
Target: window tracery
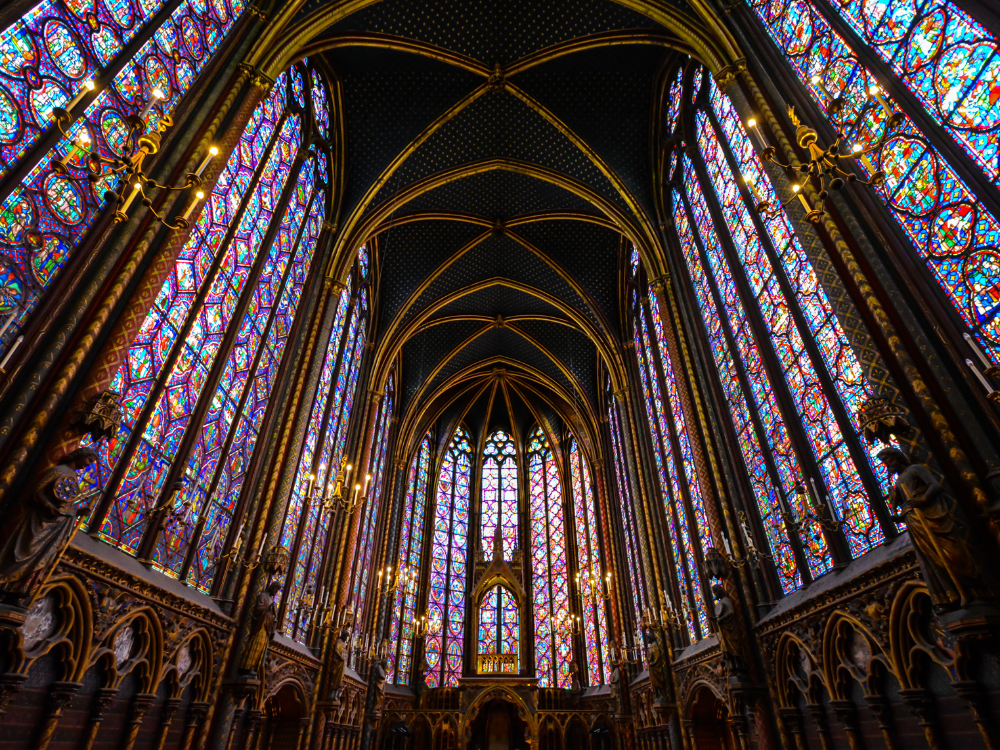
{"x": 499, "y": 494}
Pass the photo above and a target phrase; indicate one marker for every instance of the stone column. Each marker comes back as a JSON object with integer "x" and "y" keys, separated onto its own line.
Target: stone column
{"x": 59, "y": 697}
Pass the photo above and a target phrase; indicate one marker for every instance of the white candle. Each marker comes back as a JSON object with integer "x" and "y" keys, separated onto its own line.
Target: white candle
{"x": 10, "y": 352}
{"x": 194, "y": 204}
{"x": 725, "y": 543}
{"x": 131, "y": 197}
{"x": 204, "y": 164}
{"x": 972, "y": 366}
{"x": 966, "y": 336}
{"x": 10, "y": 319}
{"x": 157, "y": 95}
{"x": 88, "y": 86}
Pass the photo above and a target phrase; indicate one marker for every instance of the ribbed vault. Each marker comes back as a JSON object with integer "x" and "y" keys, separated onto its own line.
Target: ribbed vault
{"x": 498, "y": 166}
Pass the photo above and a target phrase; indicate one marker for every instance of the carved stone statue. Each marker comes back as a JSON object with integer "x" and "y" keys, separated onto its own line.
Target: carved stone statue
{"x": 338, "y": 661}
{"x": 951, "y": 567}
{"x": 265, "y": 622}
{"x": 41, "y": 525}
{"x": 616, "y": 687}
{"x": 422, "y": 671}
{"x": 379, "y": 674}
{"x": 574, "y": 677}
{"x": 728, "y": 624}
{"x": 659, "y": 669}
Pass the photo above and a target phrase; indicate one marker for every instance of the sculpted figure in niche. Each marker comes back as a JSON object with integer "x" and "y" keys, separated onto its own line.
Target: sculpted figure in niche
{"x": 727, "y": 622}
{"x": 41, "y": 525}
{"x": 951, "y": 567}
{"x": 265, "y": 619}
{"x": 656, "y": 656}
{"x": 338, "y": 661}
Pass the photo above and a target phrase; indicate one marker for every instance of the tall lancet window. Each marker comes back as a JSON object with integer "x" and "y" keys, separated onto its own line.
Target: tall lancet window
{"x": 679, "y": 483}
{"x": 634, "y": 588}
{"x": 945, "y": 65}
{"x": 449, "y": 548}
{"x": 197, "y": 379}
{"x": 499, "y": 508}
{"x": 549, "y": 566}
{"x": 411, "y": 542}
{"x": 48, "y": 58}
{"x": 372, "y": 481}
{"x": 592, "y": 580}
{"x": 306, "y": 522}
{"x": 793, "y": 384}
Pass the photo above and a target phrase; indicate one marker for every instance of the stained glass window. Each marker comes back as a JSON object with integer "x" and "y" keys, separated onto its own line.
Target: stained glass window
{"x": 369, "y": 513}
{"x": 592, "y": 579}
{"x": 499, "y": 507}
{"x": 271, "y": 198}
{"x": 449, "y": 548}
{"x": 669, "y": 431}
{"x": 549, "y": 566}
{"x": 306, "y": 522}
{"x": 635, "y": 586}
{"x": 411, "y": 541}
{"x": 499, "y": 621}
{"x": 45, "y": 58}
{"x": 950, "y": 63}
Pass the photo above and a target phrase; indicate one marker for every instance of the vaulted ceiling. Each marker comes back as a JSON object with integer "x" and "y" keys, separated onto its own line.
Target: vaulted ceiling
{"x": 498, "y": 160}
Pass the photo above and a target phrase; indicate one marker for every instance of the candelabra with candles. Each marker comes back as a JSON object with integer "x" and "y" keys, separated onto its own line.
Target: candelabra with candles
{"x": 567, "y": 623}
{"x": 140, "y": 141}
{"x": 754, "y": 556}
{"x": 349, "y": 500}
{"x": 828, "y": 516}
{"x": 405, "y": 579}
{"x": 237, "y": 556}
{"x": 592, "y": 586}
{"x": 990, "y": 370}
{"x": 823, "y": 164}
{"x": 422, "y": 625}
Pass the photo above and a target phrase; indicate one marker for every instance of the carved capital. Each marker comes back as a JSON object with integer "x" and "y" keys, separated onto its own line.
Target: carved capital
{"x": 10, "y": 684}
{"x": 100, "y": 416}
{"x": 728, "y": 74}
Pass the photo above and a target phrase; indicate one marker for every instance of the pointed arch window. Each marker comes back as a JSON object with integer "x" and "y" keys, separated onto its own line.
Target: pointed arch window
{"x": 499, "y": 625}
{"x": 48, "y": 55}
{"x": 411, "y": 542}
{"x": 549, "y": 565}
{"x": 595, "y": 625}
{"x": 369, "y": 521}
{"x": 449, "y": 549}
{"x": 936, "y": 67}
{"x": 306, "y": 522}
{"x": 793, "y": 384}
{"x": 499, "y": 505}
{"x": 196, "y": 380}
{"x": 635, "y": 586}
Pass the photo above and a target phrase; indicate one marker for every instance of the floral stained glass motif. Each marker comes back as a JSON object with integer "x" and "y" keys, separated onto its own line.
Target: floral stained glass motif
{"x": 411, "y": 543}
{"x": 549, "y": 566}
{"x": 839, "y": 471}
{"x": 449, "y": 548}
{"x": 944, "y": 55}
{"x": 499, "y": 506}
{"x": 734, "y": 325}
{"x": 44, "y": 59}
{"x": 595, "y": 624}
{"x": 321, "y": 109}
{"x": 369, "y": 513}
{"x": 164, "y": 431}
{"x": 668, "y": 424}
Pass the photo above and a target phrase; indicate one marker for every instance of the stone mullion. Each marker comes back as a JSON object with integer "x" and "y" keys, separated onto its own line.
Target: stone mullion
{"x": 397, "y": 647}
{"x": 423, "y": 584}
{"x": 959, "y": 466}
{"x": 634, "y": 594}
{"x": 802, "y": 445}
{"x": 368, "y": 605}
{"x": 117, "y": 349}
{"x": 573, "y": 557}
{"x": 755, "y": 417}
{"x": 194, "y": 426}
{"x": 244, "y": 397}
{"x": 672, "y": 436}
{"x": 857, "y": 452}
